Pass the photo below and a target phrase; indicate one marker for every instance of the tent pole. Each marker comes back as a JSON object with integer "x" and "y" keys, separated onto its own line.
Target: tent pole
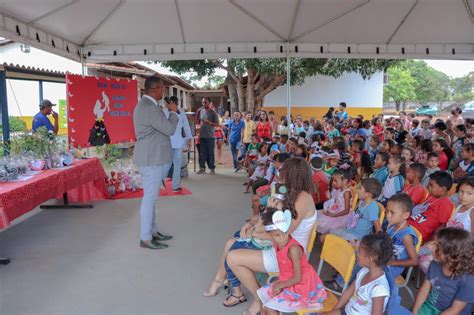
{"x": 288, "y": 83}
{"x": 40, "y": 86}
{"x": 4, "y": 113}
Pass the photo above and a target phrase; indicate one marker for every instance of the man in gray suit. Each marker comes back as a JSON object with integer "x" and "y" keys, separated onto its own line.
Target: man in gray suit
{"x": 152, "y": 152}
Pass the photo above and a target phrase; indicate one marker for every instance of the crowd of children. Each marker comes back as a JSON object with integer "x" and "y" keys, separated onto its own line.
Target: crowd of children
{"x": 414, "y": 184}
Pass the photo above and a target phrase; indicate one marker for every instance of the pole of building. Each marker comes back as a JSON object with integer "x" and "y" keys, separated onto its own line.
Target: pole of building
{"x": 40, "y": 86}
{"x": 288, "y": 83}
{"x": 4, "y": 112}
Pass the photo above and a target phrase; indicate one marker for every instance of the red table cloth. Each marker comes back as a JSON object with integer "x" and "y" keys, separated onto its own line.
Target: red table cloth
{"x": 84, "y": 181}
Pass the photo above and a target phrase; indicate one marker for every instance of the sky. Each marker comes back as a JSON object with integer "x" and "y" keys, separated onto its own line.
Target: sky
{"x": 453, "y": 68}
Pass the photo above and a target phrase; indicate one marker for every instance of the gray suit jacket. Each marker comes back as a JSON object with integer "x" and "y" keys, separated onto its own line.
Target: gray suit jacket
{"x": 153, "y": 131}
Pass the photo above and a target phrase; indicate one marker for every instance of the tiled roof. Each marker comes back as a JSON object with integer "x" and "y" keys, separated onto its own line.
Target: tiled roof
{"x": 23, "y": 68}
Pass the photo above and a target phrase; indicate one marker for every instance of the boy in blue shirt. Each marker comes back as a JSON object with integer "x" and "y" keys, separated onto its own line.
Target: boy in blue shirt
{"x": 366, "y": 216}
{"x": 380, "y": 165}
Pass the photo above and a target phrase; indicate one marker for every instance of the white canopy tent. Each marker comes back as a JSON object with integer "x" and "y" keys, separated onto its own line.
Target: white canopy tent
{"x": 122, "y": 30}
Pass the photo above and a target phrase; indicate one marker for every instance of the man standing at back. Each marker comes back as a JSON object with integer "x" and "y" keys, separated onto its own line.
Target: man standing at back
{"x": 41, "y": 119}
{"x": 209, "y": 120}
{"x": 152, "y": 151}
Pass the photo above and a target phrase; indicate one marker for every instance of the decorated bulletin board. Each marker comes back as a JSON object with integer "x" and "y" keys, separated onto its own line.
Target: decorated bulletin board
{"x": 100, "y": 110}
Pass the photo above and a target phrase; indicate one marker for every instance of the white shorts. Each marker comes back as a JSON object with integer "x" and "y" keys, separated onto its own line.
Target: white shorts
{"x": 270, "y": 262}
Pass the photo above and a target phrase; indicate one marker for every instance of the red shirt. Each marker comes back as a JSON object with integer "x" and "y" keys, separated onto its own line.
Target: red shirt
{"x": 321, "y": 182}
{"x": 438, "y": 213}
{"x": 264, "y": 130}
{"x": 378, "y": 129}
{"x": 443, "y": 161}
{"x": 416, "y": 193}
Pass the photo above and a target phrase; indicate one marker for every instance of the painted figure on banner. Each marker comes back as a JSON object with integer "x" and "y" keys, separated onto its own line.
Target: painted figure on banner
{"x": 98, "y": 135}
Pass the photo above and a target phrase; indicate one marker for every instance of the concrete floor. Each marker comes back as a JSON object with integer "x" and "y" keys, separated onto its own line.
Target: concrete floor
{"x": 88, "y": 261}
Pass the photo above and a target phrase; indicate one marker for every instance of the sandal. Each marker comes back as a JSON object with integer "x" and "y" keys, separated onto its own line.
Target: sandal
{"x": 333, "y": 285}
{"x": 222, "y": 284}
{"x": 239, "y": 299}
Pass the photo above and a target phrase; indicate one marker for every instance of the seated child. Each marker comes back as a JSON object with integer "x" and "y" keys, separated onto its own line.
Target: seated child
{"x": 283, "y": 143}
{"x": 336, "y": 210}
{"x": 330, "y": 164}
{"x": 449, "y": 284}
{"x": 370, "y": 291}
{"x": 460, "y": 132}
{"x": 396, "y": 149}
{"x": 437, "y": 209}
{"x": 299, "y": 286}
{"x": 332, "y": 131}
{"x": 414, "y": 188}
{"x": 320, "y": 182}
{"x": 463, "y": 216}
{"x": 300, "y": 151}
{"x": 275, "y": 145}
{"x": 433, "y": 214}
{"x": 408, "y": 154}
{"x": 252, "y": 151}
{"x": 395, "y": 180}
{"x": 374, "y": 147}
{"x": 365, "y": 217}
{"x": 380, "y": 165}
{"x": 466, "y": 165}
{"x": 341, "y": 150}
{"x": 272, "y": 176}
{"x": 403, "y": 236}
{"x": 261, "y": 165}
{"x": 432, "y": 166}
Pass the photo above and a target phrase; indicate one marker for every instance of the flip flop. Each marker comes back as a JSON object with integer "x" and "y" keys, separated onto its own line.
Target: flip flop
{"x": 240, "y": 299}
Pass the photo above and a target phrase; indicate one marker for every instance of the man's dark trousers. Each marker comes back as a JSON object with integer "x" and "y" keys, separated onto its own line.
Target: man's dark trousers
{"x": 206, "y": 153}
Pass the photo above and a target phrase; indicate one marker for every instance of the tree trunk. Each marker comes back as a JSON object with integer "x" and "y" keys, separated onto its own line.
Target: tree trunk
{"x": 234, "y": 100}
{"x": 267, "y": 86}
{"x": 404, "y": 104}
{"x": 241, "y": 96}
{"x": 250, "y": 89}
{"x": 397, "y": 105}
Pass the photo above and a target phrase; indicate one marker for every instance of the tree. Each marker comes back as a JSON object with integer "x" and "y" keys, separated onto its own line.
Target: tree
{"x": 430, "y": 85}
{"x": 249, "y": 80}
{"x": 401, "y": 87}
{"x": 462, "y": 88}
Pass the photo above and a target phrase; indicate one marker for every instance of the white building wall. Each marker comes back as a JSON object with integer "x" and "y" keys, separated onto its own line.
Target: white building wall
{"x": 323, "y": 91}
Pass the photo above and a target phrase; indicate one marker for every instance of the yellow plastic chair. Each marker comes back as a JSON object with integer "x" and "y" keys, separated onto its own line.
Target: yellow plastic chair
{"x": 312, "y": 241}
{"x": 340, "y": 255}
{"x": 381, "y": 213}
{"x": 355, "y": 198}
{"x": 400, "y": 280}
{"x": 427, "y": 193}
{"x": 452, "y": 190}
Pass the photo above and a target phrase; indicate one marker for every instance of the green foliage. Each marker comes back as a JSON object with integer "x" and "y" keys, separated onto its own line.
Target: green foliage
{"x": 462, "y": 88}
{"x": 16, "y": 124}
{"x": 40, "y": 143}
{"x": 214, "y": 81}
{"x": 430, "y": 84}
{"x": 110, "y": 152}
{"x": 301, "y": 68}
{"x": 401, "y": 87}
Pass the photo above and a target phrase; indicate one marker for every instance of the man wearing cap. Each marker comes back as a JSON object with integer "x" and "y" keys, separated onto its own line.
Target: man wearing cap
{"x": 41, "y": 119}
